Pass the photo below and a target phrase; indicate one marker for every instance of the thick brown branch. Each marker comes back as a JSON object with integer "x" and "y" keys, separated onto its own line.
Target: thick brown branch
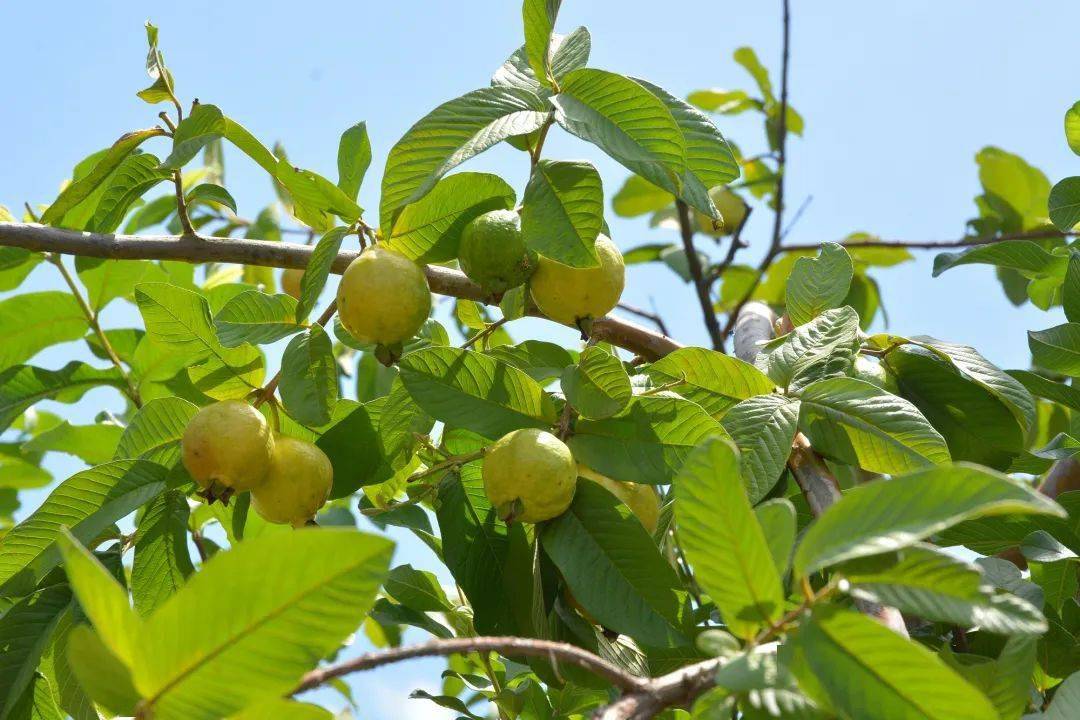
{"x": 508, "y": 646}
{"x": 444, "y": 281}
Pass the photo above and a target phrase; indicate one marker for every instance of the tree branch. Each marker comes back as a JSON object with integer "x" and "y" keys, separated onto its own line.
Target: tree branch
{"x": 697, "y": 276}
{"x": 653, "y": 317}
{"x": 508, "y": 646}
{"x": 443, "y": 281}
{"x": 1047, "y": 234}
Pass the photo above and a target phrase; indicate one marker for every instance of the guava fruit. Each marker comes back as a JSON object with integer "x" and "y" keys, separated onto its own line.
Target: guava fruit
{"x": 874, "y": 373}
{"x": 492, "y": 252}
{"x": 297, "y": 484}
{"x": 641, "y": 499}
{"x": 568, "y": 294}
{"x": 529, "y": 476}
{"x": 227, "y": 448}
{"x": 383, "y": 297}
{"x": 732, "y": 211}
{"x": 290, "y": 281}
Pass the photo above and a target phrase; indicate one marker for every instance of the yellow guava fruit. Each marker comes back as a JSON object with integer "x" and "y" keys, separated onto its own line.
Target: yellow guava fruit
{"x": 383, "y": 297}
{"x": 568, "y": 294}
{"x": 290, "y": 281}
{"x": 297, "y": 484}
{"x": 641, "y": 499}
{"x": 492, "y": 251}
{"x": 529, "y": 475}
{"x": 732, "y": 211}
{"x": 227, "y": 448}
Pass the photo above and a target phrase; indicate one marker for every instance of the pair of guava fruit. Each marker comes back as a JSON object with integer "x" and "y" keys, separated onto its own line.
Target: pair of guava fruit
{"x": 531, "y": 476}
{"x": 492, "y": 253}
{"x": 228, "y": 447}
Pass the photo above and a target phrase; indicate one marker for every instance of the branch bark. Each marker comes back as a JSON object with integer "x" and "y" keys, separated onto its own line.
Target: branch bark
{"x": 443, "y": 281}
{"x": 697, "y": 276}
{"x": 508, "y": 646}
{"x": 1048, "y": 234}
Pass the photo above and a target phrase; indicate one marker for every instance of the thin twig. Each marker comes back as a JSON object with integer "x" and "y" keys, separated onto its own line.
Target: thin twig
{"x": 92, "y": 320}
{"x": 485, "y": 333}
{"x": 653, "y": 317}
{"x": 697, "y": 276}
{"x": 507, "y": 646}
{"x": 1043, "y": 234}
{"x": 181, "y": 206}
{"x": 797, "y": 216}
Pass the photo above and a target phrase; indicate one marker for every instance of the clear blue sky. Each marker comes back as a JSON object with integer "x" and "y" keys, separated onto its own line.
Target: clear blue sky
{"x": 898, "y": 97}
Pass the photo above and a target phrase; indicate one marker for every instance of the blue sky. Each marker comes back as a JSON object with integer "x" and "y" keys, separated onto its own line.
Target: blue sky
{"x": 897, "y": 96}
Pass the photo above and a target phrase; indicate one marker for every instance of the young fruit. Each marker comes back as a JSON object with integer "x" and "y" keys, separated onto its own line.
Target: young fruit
{"x": 874, "y": 373}
{"x": 568, "y": 294}
{"x": 297, "y": 484}
{"x": 290, "y": 281}
{"x": 732, "y": 211}
{"x": 641, "y": 499}
{"x": 529, "y": 475}
{"x": 227, "y": 448}
{"x": 492, "y": 252}
{"x": 383, "y": 297}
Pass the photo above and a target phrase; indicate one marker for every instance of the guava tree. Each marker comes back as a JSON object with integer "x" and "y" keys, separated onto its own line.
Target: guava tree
{"x": 804, "y": 520}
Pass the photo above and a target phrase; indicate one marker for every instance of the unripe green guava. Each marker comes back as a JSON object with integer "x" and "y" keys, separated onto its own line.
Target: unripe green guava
{"x": 297, "y": 484}
{"x": 492, "y": 251}
{"x": 529, "y": 476}
{"x": 227, "y": 446}
{"x": 383, "y": 297}
{"x": 568, "y": 294}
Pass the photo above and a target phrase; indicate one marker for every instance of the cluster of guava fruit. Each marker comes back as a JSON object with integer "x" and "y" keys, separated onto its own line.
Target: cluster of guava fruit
{"x": 228, "y": 447}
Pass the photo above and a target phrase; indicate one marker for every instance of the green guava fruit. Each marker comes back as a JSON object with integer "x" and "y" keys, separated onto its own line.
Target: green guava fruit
{"x": 297, "y": 484}
{"x": 383, "y": 297}
{"x": 732, "y": 211}
{"x": 568, "y": 294}
{"x": 529, "y": 476}
{"x": 227, "y": 448}
{"x": 492, "y": 252}
{"x": 290, "y": 281}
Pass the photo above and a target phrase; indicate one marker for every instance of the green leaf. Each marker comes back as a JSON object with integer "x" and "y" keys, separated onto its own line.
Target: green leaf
{"x": 1009, "y": 180}
{"x": 724, "y": 102}
{"x": 627, "y": 122}
{"x": 255, "y": 618}
{"x": 314, "y": 197}
{"x": 1041, "y": 546}
{"x": 23, "y": 386}
{"x": 37, "y": 320}
{"x": 638, "y": 196}
{"x": 239, "y": 136}
{"x": 538, "y": 17}
{"x": 1057, "y": 349}
{"x": 25, "y": 630}
{"x": 823, "y": 348}
{"x": 135, "y": 176}
{"x": 818, "y": 284}
{"x": 973, "y": 366}
{"x": 102, "y": 598}
{"x": 778, "y": 522}
{"x": 319, "y": 264}
{"x": 416, "y": 589}
{"x": 37, "y": 702}
{"x": 429, "y": 229}
{"x": 448, "y": 136}
{"x": 724, "y": 542}
{"x": 648, "y": 443}
{"x": 563, "y": 211}
{"x": 709, "y": 160}
{"x": 886, "y": 515}
{"x": 82, "y": 187}
{"x": 614, "y": 570}
{"x": 104, "y": 676}
{"x": 1064, "y": 203}
{"x": 598, "y": 386}
{"x": 713, "y": 380}
{"x": 1066, "y": 702}
{"x": 861, "y": 664}
{"x": 107, "y": 280}
{"x": 861, "y": 424}
{"x": 155, "y": 430}
{"x": 257, "y": 318}
{"x": 746, "y": 57}
{"x": 16, "y": 264}
{"x": 976, "y": 425}
{"x": 93, "y": 444}
{"x": 763, "y": 429}
{"x": 1041, "y": 387}
{"x": 282, "y": 709}
{"x": 1072, "y": 133}
{"x": 935, "y": 586}
{"x": 353, "y": 159}
{"x": 162, "y": 561}
{"x": 309, "y": 387}
{"x": 1070, "y": 289}
{"x": 204, "y": 125}
{"x": 211, "y": 193}
{"x": 86, "y": 503}
{"x": 541, "y": 360}
{"x": 1027, "y": 256}
{"x": 474, "y": 391}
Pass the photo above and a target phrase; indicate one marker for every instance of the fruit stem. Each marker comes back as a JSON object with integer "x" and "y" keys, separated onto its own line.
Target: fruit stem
{"x": 450, "y": 462}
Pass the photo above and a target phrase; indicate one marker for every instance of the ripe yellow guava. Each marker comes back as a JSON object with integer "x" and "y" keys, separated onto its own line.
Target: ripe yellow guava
{"x": 290, "y": 281}
{"x": 529, "y": 476}
{"x": 568, "y": 294}
{"x": 641, "y": 499}
{"x": 732, "y": 211}
{"x": 383, "y": 297}
{"x": 227, "y": 448}
{"x": 874, "y": 373}
{"x": 297, "y": 484}
{"x": 492, "y": 251}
